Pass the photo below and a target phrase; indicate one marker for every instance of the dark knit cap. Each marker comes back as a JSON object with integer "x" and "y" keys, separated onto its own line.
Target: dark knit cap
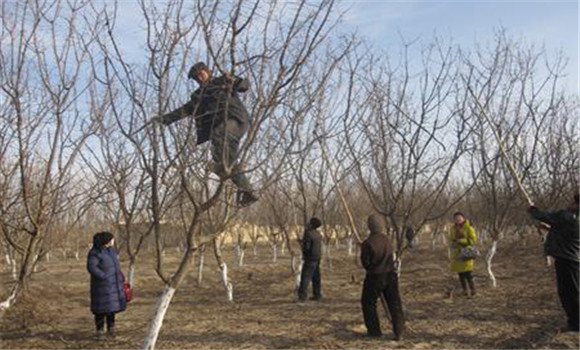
{"x": 376, "y": 224}
{"x": 195, "y": 69}
{"x": 315, "y": 223}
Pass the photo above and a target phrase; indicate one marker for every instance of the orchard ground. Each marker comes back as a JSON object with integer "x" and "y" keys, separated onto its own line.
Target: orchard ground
{"x": 522, "y": 312}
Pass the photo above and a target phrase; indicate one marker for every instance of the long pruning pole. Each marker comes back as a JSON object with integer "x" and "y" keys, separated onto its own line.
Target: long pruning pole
{"x": 348, "y": 212}
{"x": 502, "y": 149}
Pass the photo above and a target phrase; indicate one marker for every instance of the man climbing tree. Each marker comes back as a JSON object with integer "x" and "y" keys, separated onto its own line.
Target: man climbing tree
{"x": 221, "y": 117}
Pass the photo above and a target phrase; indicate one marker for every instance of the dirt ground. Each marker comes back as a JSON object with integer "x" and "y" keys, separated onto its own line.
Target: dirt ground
{"x": 522, "y": 312}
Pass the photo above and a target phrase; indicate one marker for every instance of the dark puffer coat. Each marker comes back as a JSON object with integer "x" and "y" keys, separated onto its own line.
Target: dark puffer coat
{"x": 107, "y": 294}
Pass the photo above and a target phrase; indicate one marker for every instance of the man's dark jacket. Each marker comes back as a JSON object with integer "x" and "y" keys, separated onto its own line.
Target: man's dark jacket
{"x": 377, "y": 254}
{"x": 562, "y": 241}
{"x": 211, "y": 104}
{"x": 311, "y": 245}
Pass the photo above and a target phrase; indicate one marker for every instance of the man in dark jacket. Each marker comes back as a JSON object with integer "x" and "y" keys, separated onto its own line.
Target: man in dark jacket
{"x": 311, "y": 253}
{"x": 220, "y": 117}
{"x": 381, "y": 279}
{"x": 562, "y": 244}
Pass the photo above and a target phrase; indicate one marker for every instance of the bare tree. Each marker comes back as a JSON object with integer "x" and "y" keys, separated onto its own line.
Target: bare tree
{"x": 41, "y": 78}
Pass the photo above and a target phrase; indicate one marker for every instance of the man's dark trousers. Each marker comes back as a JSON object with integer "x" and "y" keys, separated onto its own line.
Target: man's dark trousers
{"x": 567, "y": 279}
{"x": 310, "y": 272}
{"x": 225, "y": 141}
{"x": 386, "y": 284}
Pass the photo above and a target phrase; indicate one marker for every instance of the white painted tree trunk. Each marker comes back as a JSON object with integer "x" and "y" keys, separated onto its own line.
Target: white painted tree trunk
{"x": 131, "y": 273}
{"x": 14, "y": 267}
{"x": 48, "y": 257}
{"x": 297, "y": 275}
{"x": 77, "y": 255}
{"x": 254, "y": 250}
{"x": 283, "y": 249}
{"x": 227, "y": 284}
{"x": 5, "y": 305}
{"x": 398, "y": 265}
{"x": 349, "y": 245}
{"x": 241, "y": 257}
{"x": 200, "y": 261}
{"x": 328, "y": 257}
{"x": 8, "y": 260}
{"x": 549, "y": 261}
{"x": 488, "y": 259}
{"x": 274, "y": 252}
{"x": 158, "y": 316}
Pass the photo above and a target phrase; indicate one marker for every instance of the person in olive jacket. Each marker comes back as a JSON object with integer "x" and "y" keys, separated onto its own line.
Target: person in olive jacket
{"x": 220, "y": 117}
{"x": 107, "y": 293}
{"x": 381, "y": 279}
{"x": 311, "y": 254}
{"x": 562, "y": 243}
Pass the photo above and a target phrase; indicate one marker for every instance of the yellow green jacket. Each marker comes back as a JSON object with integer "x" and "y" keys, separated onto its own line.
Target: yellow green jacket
{"x": 469, "y": 239}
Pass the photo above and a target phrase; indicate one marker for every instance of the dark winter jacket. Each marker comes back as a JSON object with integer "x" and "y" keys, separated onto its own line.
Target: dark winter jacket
{"x": 211, "y": 104}
{"x": 107, "y": 294}
{"x": 562, "y": 240}
{"x": 377, "y": 254}
{"x": 311, "y": 245}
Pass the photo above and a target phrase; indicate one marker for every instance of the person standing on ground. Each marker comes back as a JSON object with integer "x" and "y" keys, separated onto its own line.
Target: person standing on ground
{"x": 381, "y": 279}
{"x": 107, "y": 293}
{"x": 311, "y": 254}
{"x": 562, "y": 244}
{"x": 220, "y": 117}
{"x": 462, "y": 238}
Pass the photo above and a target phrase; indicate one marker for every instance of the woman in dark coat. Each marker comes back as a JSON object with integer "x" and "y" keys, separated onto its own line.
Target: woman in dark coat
{"x": 107, "y": 294}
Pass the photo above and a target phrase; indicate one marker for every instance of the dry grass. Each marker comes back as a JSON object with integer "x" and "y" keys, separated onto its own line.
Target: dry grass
{"x": 523, "y": 312}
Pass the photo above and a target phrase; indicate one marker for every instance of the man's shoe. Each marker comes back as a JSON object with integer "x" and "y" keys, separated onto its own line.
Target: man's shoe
{"x": 569, "y": 329}
{"x": 374, "y": 335}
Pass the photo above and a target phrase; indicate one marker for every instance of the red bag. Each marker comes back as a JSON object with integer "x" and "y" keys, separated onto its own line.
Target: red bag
{"x": 128, "y": 290}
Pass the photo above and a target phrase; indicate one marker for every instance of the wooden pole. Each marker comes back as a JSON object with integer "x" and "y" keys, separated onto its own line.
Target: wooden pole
{"x": 502, "y": 149}
{"x": 348, "y": 212}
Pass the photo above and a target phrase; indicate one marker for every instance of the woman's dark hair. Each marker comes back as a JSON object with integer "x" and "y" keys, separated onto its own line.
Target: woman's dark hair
{"x": 101, "y": 239}
{"x": 458, "y": 213}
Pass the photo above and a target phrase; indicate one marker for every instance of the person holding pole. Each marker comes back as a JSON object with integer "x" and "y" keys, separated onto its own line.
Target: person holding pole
{"x": 220, "y": 117}
{"x": 378, "y": 260}
{"x": 562, "y": 244}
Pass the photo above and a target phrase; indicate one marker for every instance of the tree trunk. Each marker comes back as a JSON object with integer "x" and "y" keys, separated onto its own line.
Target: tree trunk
{"x": 200, "y": 261}
{"x": 224, "y": 270}
{"x": 328, "y": 257}
{"x": 349, "y": 245}
{"x": 254, "y": 249}
{"x": 158, "y": 316}
{"x": 274, "y": 252}
{"x": 131, "y": 273}
{"x": 297, "y": 275}
{"x": 488, "y": 259}
{"x": 6, "y": 304}
{"x": 241, "y": 257}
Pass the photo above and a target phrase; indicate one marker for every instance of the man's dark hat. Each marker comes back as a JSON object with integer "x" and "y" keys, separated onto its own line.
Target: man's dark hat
{"x": 376, "y": 224}
{"x": 195, "y": 69}
{"x": 315, "y": 223}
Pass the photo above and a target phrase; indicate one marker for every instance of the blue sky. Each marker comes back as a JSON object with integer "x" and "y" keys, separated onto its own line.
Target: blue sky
{"x": 553, "y": 24}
